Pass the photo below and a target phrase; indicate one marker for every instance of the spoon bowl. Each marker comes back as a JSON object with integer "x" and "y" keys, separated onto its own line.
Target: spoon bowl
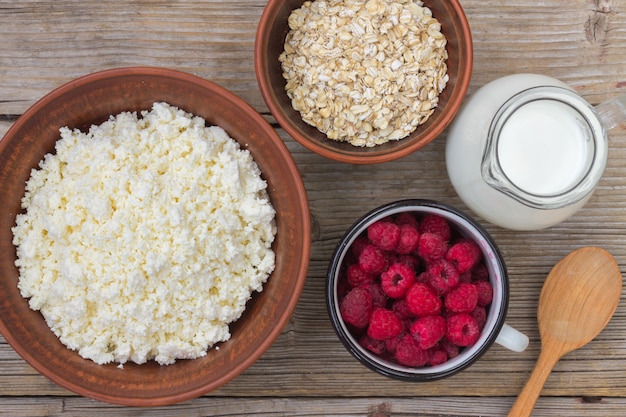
{"x": 577, "y": 300}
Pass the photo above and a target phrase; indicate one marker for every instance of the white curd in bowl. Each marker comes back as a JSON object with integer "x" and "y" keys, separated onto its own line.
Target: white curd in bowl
{"x": 145, "y": 237}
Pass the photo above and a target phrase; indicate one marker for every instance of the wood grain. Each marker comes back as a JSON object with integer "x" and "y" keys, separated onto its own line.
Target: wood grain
{"x": 45, "y": 43}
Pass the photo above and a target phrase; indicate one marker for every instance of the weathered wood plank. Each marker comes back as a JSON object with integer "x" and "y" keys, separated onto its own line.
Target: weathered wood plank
{"x": 316, "y": 407}
{"x": 45, "y": 44}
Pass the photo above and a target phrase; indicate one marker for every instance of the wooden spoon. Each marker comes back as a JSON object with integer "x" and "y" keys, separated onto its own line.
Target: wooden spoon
{"x": 577, "y": 301}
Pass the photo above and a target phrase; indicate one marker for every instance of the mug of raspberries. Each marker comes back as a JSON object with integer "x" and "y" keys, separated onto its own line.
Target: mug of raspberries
{"x": 418, "y": 290}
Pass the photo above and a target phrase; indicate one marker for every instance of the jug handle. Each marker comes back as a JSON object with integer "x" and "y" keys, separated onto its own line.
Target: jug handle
{"x": 612, "y": 112}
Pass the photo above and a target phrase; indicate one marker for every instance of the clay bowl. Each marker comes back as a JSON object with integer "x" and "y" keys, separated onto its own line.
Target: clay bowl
{"x": 270, "y": 38}
{"x": 91, "y": 100}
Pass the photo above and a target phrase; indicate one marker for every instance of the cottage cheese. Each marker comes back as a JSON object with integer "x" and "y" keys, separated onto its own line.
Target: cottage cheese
{"x": 144, "y": 238}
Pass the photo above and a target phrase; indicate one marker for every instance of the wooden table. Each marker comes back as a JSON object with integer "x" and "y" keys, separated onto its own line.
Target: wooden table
{"x": 46, "y": 43}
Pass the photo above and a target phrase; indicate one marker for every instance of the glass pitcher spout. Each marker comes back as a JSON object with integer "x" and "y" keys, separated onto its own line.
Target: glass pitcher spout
{"x": 546, "y": 147}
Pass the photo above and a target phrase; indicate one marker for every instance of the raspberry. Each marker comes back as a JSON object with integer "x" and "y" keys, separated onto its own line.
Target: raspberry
{"x": 397, "y": 280}
{"x": 357, "y": 246}
{"x": 423, "y": 277}
{"x": 384, "y": 234}
{"x": 409, "y": 239}
{"x": 342, "y": 288}
{"x": 409, "y": 353}
{"x": 451, "y": 349}
{"x": 464, "y": 255}
{"x": 409, "y": 260}
{"x": 480, "y": 273}
{"x": 480, "y": 315}
{"x": 428, "y": 331}
{"x": 422, "y": 301}
{"x": 356, "y": 276}
{"x": 462, "y": 299}
{"x": 406, "y": 218}
{"x": 445, "y": 313}
{"x": 443, "y": 276}
{"x": 433, "y": 223}
{"x": 384, "y": 324}
{"x": 465, "y": 277}
{"x": 462, "y": 329}
{"x": 401, "y": 308}
{"x": 485, "y": 293}
{"x": 372, "y": 260}
{"x": 431, "y": 247}
{"x": 392, "y": 343}
{"x": 437, "y": 355}
{"x": 356, "y": 307}
{"x": 373, "y": 345}
{"x": 379, "y": 299}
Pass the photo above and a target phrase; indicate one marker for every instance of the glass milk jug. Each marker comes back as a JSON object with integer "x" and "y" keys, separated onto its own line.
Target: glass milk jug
{"x": 525, "y": 151}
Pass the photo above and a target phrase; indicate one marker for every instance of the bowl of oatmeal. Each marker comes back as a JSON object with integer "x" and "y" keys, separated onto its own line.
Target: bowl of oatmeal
{"x": 363, "y": 82}
{"x": 155, "y": 236}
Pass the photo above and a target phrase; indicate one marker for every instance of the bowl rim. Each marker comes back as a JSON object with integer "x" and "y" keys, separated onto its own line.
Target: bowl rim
{"x": 261, "y": 46}
{"x": 304, "y": 219}
{"x": 369, "y": 360}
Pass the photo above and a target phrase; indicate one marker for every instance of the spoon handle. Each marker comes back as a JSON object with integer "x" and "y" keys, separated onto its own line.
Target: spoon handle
{"x": 526, "y": 400}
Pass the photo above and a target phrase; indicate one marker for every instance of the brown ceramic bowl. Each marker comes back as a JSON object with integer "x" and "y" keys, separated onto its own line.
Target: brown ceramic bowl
{"x": 270, "y": 39}
{"x": 90, "y": 100}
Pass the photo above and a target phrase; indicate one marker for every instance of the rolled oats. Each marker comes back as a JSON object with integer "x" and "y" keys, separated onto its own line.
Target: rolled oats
{"x": 364, "y": 71}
